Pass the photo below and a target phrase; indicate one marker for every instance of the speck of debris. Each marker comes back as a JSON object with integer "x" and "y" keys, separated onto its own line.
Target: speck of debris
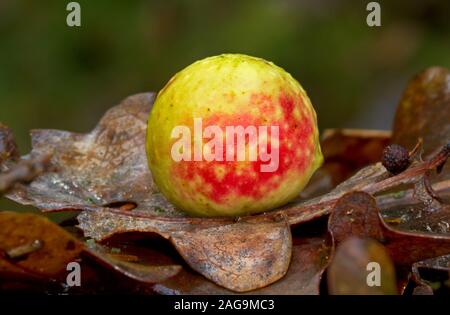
{"x": 159, "y": 210}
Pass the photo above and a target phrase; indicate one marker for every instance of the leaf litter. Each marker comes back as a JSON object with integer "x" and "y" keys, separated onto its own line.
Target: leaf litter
{"x": 104, "y": 175}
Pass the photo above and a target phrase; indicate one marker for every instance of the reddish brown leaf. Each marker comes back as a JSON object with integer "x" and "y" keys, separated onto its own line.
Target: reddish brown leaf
{"x": 352, "y": 216}
{"x": 310, "y": 256}
{"x": 32, "y": 247}
{"x": 242, "y": 256}
{"x": 418, "y": 217}
{"x": 424, "y": 111}
{"x": 34, "y": 244}
{"x": 404, "y": 247}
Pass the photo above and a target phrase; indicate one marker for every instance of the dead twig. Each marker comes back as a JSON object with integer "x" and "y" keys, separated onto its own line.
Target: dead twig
{"x": 24, "y": 171}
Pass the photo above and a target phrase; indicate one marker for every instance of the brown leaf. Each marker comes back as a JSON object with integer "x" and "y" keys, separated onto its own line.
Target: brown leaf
{"x": 310, "y": 256}
{"x": 242, "y": 256}
{"x": 352, "y": 265}
{"x": 106, "y": 167}
{"x": 418, "y": 217}
{"x": 404, "y": 247}
{"x": 351, "y": 216}
{"x": 32, "y": 247}
{"x": 137, "y": 270}
{"x": 36, "y": 245}
{"x": 424, "y": 111}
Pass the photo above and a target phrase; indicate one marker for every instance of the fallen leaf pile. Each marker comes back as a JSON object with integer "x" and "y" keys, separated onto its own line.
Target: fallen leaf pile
{"x": 129, "y": 238}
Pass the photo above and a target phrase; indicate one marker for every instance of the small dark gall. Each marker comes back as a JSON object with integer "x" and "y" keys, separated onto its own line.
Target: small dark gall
{"x": 395, "y": 158}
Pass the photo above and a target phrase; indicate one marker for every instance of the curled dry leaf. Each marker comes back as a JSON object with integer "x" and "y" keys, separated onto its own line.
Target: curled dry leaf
{"x": 424, "y": 208}
{"x": 142, "y": 272}
{"x": 356, "y": 214}
{"x": 310, "y": 257}
{"x": 106, "y": 167}
{"x": 372, "y": 179}
{"x": 424, "y": 111}
{"x": 352, "y": 216}
{"x": 361, "y": 266}
{"x": 439, "y": 265}
{"x": 242, "y": 256}
{"x": 32, "y": 247}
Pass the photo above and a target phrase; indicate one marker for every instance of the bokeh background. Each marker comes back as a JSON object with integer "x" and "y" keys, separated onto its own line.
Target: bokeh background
{"x": 55, "y": 76}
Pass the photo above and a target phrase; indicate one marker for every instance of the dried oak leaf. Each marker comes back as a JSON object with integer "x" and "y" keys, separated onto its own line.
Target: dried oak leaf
{"x": 31, "y": 246}
{"x": 415, "y": 216}
{"x": 105, "y": 167}
{"x": 136, "y": 270}
{"x": 424, "y": 111}
{"x": 349, "y": 271}
{"x": 36, "y": 245}
{"x": 310, "y": 257}
{"x": 351, "y": 217}
{"x": 357, "y": 214}
{"x": 240, "y": 256}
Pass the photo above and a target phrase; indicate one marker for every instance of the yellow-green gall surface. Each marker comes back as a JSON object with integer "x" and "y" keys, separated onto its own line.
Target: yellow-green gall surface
{"x": 232, "y": 135}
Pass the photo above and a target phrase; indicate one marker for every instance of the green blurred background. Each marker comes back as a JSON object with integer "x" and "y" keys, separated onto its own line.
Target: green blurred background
{"x": 55, "y": 76}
